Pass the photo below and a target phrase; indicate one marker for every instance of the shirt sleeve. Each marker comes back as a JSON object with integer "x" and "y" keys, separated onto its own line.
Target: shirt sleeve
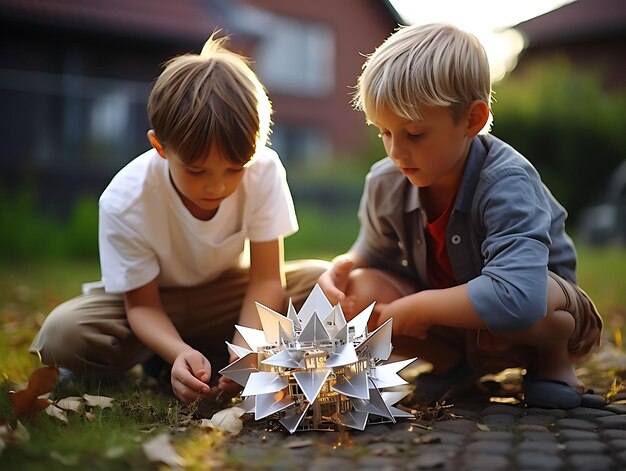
{"x": 126, "y": 260}
{"x": 272, "y": 212}
{"x": 511, "y": 292}
{"x": 377, "y": 241}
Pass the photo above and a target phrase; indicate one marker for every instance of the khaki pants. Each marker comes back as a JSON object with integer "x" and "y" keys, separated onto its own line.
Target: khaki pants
{"x": 90, "y": 333}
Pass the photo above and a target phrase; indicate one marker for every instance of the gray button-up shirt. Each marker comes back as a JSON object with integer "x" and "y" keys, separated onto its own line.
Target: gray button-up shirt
{"x": 505, "y": 232}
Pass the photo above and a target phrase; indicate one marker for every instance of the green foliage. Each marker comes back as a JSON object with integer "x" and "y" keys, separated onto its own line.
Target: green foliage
{"x": 566, "y": 125}
{"x": 29, "y": 234}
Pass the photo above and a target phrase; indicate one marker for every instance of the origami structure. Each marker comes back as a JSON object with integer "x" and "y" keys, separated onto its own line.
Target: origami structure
{"x": 316, "y": 371}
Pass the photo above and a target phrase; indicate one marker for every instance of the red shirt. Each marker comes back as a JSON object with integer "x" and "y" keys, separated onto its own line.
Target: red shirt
{"x": 440, "y": 274}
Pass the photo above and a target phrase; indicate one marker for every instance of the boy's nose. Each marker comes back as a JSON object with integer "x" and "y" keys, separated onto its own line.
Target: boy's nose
{"x": 214, "y": 187}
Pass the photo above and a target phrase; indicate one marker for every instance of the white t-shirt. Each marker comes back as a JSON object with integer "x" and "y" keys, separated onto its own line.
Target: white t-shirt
{"x": 146, "y": 232}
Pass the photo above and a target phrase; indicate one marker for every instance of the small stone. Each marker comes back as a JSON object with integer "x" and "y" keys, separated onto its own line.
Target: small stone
{"x": 593, "y": 401}
{"x": 587, "y": 413}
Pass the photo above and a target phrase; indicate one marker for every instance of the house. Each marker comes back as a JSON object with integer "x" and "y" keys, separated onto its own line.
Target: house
{"x": 590, "y": 33}
{"x": 76, "y": 75}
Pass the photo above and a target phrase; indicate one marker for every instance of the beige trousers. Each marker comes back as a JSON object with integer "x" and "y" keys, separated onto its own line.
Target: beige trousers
{"x": 90, "y": 333}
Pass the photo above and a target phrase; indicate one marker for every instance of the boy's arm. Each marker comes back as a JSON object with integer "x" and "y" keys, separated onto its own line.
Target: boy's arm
{"x": 266, "y": 286}
{"x": 415, "y": 313}
{"x": 149, "y": 322}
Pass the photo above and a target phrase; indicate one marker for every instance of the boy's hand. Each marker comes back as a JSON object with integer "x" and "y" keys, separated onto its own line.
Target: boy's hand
{"x": 191, "y": 372}
{"x": 334, "y": 283}
{"x": 405, "y": 323}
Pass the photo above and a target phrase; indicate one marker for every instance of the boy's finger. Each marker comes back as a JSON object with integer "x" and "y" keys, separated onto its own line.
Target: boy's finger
{"x": 194, "y": 383}
{"x": 200, "y": 367}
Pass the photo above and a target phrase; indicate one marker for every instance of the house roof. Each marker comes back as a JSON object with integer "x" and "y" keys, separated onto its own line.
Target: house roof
{"x": 180, "y": 20}
{"x": 581, "y": 19}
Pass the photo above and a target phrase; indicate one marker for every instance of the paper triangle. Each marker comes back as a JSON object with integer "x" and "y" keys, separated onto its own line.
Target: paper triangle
{"x": 264, "y": 382}
{"x": 379, "y": 341}
{"x": 240, "y": 370}
{"x": 357, "y": 327}
{"x": 272, "y": 322}
{"x": 354, "y": 419}
{"x": 268, "y": 404}
{"x": 344, "y": 355}
{"x": 315, "y": 302}
{"x": 311, "y": 382}
{"x": 292, "y": 421}
{"x": 353, "y": 386}
{"x": 313, "y": 331}
{"x": 255, "y": 338}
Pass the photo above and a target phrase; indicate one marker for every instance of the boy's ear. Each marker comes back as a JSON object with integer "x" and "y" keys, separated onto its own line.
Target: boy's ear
{"x": 154, "y": 142}
{"x": 478, "y": 114}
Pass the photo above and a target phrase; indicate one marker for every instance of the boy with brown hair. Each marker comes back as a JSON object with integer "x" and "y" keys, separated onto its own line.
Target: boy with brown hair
{"x": 172, "y": 228}
{"x": 460, "y": 241}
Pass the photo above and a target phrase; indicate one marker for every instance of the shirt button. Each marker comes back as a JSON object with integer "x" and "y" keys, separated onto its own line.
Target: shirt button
{"x": 418, "y": 241}
{"x": 456, "y": 239}
{"x": 405, "y": 263}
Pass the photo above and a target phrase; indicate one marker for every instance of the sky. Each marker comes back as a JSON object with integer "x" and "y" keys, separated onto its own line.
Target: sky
{"x": 488, "y": 20}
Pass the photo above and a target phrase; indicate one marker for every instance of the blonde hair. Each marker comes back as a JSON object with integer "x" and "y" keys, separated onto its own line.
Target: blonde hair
{"x": 213, "y": 98}
{"x": 424, "y": 65}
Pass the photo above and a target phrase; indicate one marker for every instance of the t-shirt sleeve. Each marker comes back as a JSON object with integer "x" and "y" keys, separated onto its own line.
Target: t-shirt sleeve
{"x": 126, "y": 260}
{"x": 511, "y": 292}
{"x": 272, "y": 212}
{"x": 377, "y": 241}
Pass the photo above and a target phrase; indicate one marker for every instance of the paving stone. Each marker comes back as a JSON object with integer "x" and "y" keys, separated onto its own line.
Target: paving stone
{"x": 610, "y": 434}
{"x": 324, "y": 463}
{"x": 617, "y": 444}
{"x": 542, "y": 436}
{"x": 441, "y": 437}
{"x": 620, "y": 457}
{"x": 537, "y": 419}
{"x": 533, "y": 428}
{"x": 539, "y": 460}
{"x": 575, "y": 424}
{"x": 567, "y": 435}
{"x": 498, "y": 420}
{"x": 486, "y": 462}
{"x": 464, "y": 413}
{"x": 585, "y": 446}
{"x": 550, "y": 448}
{"x": 493, "y": 435}
{"x": 613, "y": 422}
{"x": 617, "y": 408}
{"x": 558, "y": 413}
{"x": 593, "y": 400}
{"x": 488, "y": 447}
{"x": 587, "y": 413}
{"x": 374, "y": 463}
{"x": 502, "y": 409}
{"x": 591, "y": 462}
{"x": 463, "y": 426}
{"x": 429, "y": 460}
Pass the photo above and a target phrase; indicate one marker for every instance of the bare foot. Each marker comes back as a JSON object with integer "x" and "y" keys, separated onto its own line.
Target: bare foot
{"x": 562, "y": 373}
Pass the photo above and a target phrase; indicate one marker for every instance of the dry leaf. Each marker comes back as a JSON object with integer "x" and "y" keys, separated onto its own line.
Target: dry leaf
{"x": 73, "y": 403}
{"x": 228, "y": 420}
{"x": 298, "y": 443}
{"x": 26, "y": 403}
{"x": 54, "y": 411}
{"x": 160, "y": 450}
{"x": 90, "y": 416}
{"x": 98, "y": 401}
{"x": 16, "y": 434}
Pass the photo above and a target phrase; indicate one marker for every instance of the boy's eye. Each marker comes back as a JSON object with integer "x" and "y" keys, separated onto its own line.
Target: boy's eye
{"x": 415, "y": 135}
{"x": 194, "y": 171}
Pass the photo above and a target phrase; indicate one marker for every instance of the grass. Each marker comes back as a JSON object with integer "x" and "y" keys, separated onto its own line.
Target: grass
{"x": 112, "y": 440}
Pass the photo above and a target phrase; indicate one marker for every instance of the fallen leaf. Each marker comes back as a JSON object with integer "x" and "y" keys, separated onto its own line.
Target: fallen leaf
{"x": 54, "y": 411}
{"x": 67, "y": 460}
{"x": 90, "y": 416}
{"x": 298, "y": 443}
{"x": 98, "y": 401}
{"x": 14, "y": 434}
{"x": 73, "y": 403}
{"x": 26, "y": 403}
{"x": 160, "y": 450}
{"x": 228, "y": 420}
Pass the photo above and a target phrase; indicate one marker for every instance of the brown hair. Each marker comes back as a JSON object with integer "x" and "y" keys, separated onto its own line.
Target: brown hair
{"x": 210, "y": 99}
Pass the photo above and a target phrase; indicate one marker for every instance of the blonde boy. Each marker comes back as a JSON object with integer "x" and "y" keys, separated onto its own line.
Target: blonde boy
{"x": 460, "y": 241}
{"x": 173, "y": 224}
